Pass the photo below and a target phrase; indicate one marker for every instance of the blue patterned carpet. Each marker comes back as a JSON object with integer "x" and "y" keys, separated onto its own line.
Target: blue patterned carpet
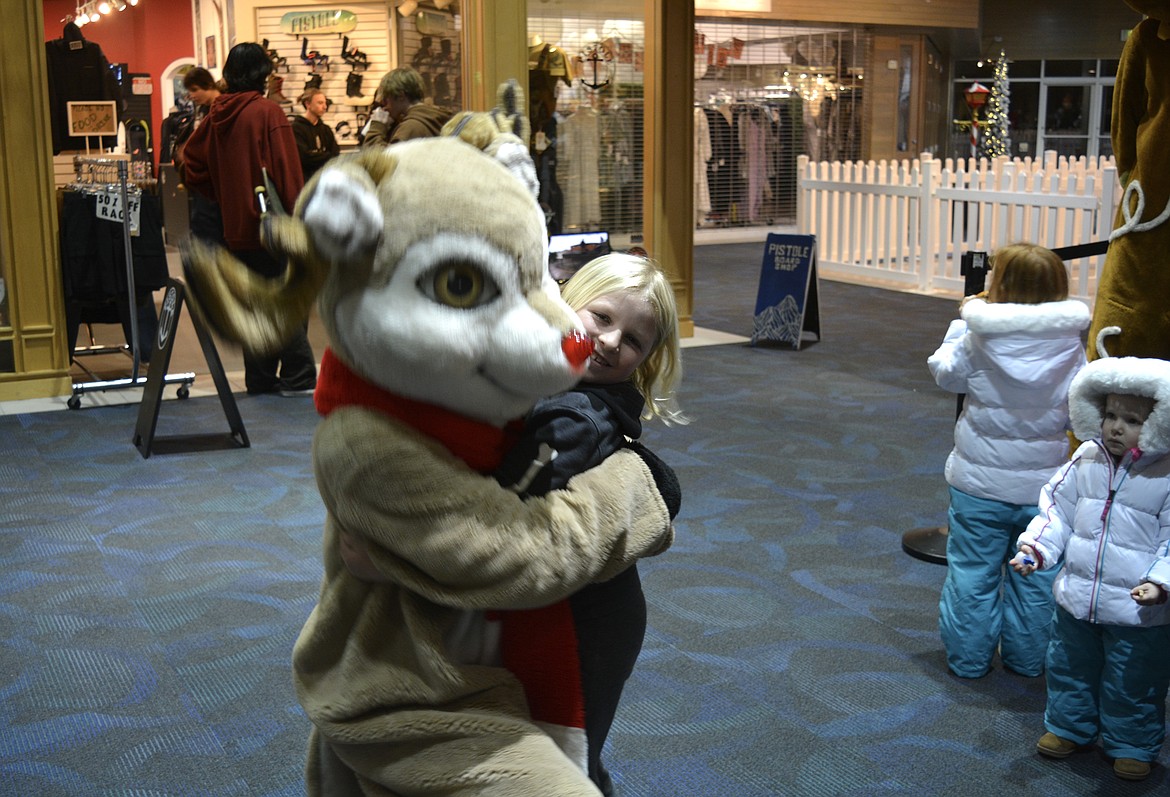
{"x": 149, "y": 606}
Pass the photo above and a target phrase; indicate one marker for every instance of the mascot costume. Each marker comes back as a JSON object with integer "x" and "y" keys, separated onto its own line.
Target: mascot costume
{"x": 428, "y": 263}
{"x": 1135, "y": 282}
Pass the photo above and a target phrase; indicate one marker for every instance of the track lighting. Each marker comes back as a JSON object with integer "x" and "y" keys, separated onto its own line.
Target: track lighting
{"x": 92, "y": 10}
{"x": 442, "y": 4}
{"x": 408, "y": 7}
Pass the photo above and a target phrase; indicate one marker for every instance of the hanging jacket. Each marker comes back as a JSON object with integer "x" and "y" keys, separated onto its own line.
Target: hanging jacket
{"x": 1015, "y": 363}
{"x": 223, "y": 159}
{"x": 1107, "y": 523}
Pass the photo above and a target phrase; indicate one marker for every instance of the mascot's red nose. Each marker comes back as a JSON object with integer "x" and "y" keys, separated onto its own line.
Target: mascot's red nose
{"x": 577, "y": 347}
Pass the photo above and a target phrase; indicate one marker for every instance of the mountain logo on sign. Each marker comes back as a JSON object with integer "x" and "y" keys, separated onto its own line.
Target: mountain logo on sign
{"x": 780, "y": 322}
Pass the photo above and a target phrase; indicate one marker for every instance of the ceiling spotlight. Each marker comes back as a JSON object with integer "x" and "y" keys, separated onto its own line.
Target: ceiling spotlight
{"x": 120, "y": 5}
{"x": 104, "y": 7}
{"x": 408, "y": 7}
{"x": 442, "y": 4}
{"x": 133, "y": 2}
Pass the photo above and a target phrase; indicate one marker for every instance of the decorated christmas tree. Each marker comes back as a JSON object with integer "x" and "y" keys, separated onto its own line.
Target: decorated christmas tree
{"x": 996, "y": 127}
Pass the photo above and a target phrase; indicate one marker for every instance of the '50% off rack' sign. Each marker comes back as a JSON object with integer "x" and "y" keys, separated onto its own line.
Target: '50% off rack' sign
{"x": 109, "y": 206}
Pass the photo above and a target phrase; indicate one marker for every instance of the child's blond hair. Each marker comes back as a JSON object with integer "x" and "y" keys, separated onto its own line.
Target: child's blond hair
{"x": 1025, "y": 273}
{"x": 660, "y": 373}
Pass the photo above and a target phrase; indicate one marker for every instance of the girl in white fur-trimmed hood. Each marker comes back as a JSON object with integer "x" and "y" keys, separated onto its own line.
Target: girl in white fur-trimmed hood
{"x": 1106, "y": 517}
{"x": 1013, "y": 352}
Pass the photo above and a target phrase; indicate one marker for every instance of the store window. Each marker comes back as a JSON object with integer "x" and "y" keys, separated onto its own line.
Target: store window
{"x": 585, "y": 94}
{"x": 344, "y": 57}
{"x": 766, "y": 93}
{"x": 428, "y": 41}
{"x": 1058, "y": 106}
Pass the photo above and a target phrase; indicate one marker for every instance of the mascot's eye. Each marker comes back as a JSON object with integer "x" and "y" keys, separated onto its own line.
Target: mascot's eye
{"x": 459, "y": 285}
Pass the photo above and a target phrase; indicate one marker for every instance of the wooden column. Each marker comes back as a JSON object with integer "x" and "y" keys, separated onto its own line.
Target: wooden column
{"x": 668, "y": 172}
{"x": 29, "y": 257}
{"x": 495, "y": 48}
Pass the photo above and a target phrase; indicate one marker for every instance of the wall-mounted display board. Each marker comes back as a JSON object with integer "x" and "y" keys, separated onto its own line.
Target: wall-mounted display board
{"x": 344, "y": 50}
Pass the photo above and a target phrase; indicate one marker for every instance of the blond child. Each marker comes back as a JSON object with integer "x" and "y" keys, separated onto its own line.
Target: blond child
{"x": 1013, "y": 353}
{"x": 574, "y": 657}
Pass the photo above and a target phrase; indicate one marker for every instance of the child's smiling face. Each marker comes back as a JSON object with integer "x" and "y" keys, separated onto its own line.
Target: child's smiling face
{"x": 622, "y": 327}
{"x": 1122, "y": 426}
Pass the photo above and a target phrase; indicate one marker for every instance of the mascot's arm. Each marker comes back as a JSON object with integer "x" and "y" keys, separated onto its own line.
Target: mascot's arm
{"x": 460, "y": 539}
{"x": 1130, "y": 101}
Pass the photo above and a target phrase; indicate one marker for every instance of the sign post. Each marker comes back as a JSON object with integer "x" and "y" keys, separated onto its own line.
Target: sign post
{"x": 144, "y": 433}
{"x": 788, "y": 302}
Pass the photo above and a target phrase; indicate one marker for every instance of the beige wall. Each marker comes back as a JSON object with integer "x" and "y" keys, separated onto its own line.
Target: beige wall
{"x": 1058, "y": 29}
{"x": 929, "y": 14}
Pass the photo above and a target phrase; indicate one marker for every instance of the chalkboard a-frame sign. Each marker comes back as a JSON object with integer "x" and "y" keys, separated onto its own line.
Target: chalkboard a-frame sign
{"x": 788, "y": 303}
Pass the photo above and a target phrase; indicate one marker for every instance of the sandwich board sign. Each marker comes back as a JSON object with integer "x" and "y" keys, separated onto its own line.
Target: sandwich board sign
{"x": 788, "y": 303}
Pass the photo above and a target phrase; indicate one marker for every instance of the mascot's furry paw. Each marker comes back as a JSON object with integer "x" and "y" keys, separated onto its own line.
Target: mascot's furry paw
{"x": 259, "y": 313}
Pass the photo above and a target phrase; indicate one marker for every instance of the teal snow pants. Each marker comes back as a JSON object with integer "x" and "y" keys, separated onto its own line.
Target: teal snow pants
{"x": 985, "y": 604}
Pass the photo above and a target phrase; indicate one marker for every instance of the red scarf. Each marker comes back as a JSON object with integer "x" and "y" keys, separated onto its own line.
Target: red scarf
{"x": 481, "y": 445}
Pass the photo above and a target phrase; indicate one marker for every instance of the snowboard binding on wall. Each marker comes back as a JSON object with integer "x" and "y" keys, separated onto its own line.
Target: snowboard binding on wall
{"x": 355, "y": 57}
{"x": 313, "y": 58}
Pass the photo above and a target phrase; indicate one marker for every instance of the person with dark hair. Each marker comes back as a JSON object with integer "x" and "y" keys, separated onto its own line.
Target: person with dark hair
{"x": 401, "y": 114}
{"x": 202, "y": 88}
{"x": 244, "y": 137}
{"x": 314, "y": 138}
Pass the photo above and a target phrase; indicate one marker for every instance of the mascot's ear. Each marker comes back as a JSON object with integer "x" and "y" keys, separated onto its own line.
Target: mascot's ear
{"x": 501, "y": 133}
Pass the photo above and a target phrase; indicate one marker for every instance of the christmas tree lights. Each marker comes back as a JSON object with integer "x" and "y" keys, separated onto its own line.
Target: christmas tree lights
{"x": 997, "y": 139}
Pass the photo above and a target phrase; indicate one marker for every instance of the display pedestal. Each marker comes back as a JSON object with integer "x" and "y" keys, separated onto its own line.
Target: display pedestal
{"x": 929, "y": 545}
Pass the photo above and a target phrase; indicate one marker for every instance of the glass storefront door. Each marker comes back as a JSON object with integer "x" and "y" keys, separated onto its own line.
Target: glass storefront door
{"x": 1068, "y": 115}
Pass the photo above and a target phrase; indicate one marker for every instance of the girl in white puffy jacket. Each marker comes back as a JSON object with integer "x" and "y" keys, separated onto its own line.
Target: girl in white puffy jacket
{"x": 1106, "y": 516}
{"x": 1013, "y": 353}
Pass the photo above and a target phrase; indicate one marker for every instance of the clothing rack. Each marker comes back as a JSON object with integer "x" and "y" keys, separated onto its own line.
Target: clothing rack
{"x": 97, "y": 175}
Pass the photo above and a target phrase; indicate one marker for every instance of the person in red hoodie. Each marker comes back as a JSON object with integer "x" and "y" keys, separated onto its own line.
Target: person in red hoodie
{"x": 243, "y": 136}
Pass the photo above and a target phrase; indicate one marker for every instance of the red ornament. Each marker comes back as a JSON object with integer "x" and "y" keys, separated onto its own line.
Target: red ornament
{"x": 577, "y": 347}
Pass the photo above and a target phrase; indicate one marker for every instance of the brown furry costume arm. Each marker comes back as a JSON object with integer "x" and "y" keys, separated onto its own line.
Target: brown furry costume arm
{"x": 459, "y": 539}
{"x": 1130, "y": 101}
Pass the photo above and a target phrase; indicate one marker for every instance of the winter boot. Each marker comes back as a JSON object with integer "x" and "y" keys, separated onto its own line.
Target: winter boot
{"x": 313, "y": 82}
{"x": 442, "y": 90}
{"x": 1054, "y": 746}
{"x": 1131, "y": 769}
{"x": 424, "y": 54}
{"x": 275, "y": 86}
{"x": 353, "y": 85}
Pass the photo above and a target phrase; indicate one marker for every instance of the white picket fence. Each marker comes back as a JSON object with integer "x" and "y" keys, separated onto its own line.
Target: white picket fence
{"x": 906, "y": 223}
